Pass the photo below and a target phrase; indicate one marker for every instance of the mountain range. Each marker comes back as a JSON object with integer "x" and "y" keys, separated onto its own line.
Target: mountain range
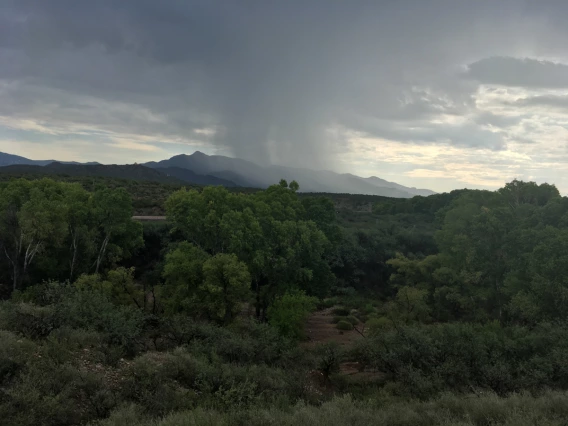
{"x": 202, "y": 169}
{"x": 12, "y": 160}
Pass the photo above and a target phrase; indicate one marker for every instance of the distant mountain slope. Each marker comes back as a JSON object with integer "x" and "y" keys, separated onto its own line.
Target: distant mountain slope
{"x": 190, "y": 176}
{"x": 10, "y": 160}
{"x": 247, "y": 174}
{"x": 130, "y": 171}
{"x": 386, "y": 184}
{"x": 202, "y": 169}
{"x": 241, "y": 172}
{"x": 173, "y": 175}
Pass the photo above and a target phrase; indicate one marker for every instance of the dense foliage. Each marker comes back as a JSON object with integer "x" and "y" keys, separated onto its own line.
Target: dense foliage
{"x": 458, "y": 302}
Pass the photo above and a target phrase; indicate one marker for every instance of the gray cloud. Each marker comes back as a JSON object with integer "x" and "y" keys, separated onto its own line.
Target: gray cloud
{"x": 529, "y": 73}
{"x": 272, "y": 77}
{"x": 554, "y": 101}
{"x": 487, "y": 118}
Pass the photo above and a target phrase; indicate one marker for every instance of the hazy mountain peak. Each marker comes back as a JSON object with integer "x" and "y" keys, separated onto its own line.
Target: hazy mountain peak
{"x": 247, "y": 174}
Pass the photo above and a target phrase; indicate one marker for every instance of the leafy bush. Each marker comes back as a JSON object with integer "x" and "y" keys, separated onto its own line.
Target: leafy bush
{"x": 91, "y": 310}
{"x": 425, "y": 360}
{"x": 52, "y": 395}
{"x": 352, "y": 320}
{"x": 15, "y": 352}
{"x": 549, "y": 409}
{"x": 343, "y": 312}
{"x": 290, "y": 312}
{"x": 329, "y": 358}
{"x": 338, "y": 318}
{"x": 344, "y": 325}
{"x": 29, "y": 320}
{"x": 378, "y": 325}
{"x": 44, "y": 294}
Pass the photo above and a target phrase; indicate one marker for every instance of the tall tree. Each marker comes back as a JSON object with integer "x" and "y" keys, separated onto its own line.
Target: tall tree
{"x": 117, "y": 235}
{"x": 33, "y": 215}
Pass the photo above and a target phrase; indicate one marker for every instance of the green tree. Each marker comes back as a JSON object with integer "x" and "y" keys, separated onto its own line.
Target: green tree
{"x": 33, "y": 216}
{"x": 226, "y": 284}
{"x": 267, "y": 230}
{"x": 80, "y": 226}
{"x": 183, "y": 274}
{"x": 118, "y": 286}
{"x": 117, "y": 235}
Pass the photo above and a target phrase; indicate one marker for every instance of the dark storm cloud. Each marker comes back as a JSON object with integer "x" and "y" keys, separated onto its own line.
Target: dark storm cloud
{"x": 270, "y": 76}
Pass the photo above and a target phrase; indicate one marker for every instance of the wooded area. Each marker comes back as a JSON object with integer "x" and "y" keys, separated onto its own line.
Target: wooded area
{"x": 459, "y": 301}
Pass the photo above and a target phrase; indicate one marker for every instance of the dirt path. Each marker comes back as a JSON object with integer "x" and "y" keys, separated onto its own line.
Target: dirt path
{"x": 319, "y": 329}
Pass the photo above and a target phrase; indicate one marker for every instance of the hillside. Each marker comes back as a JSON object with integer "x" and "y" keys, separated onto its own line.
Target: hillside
{"x": 247, "y": 174}
{"x": 190, "y": 176}
{"x": 171, "y": 175}
{"x": 10, "y": 160}
{"x": 130, "y": 171}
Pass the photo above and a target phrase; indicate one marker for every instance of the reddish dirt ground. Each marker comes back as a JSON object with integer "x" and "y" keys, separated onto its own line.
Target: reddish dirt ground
{"x": 319, "y": 329}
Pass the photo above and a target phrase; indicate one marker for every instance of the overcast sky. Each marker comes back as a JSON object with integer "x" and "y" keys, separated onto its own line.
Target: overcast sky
{"x": 440, "y": 94}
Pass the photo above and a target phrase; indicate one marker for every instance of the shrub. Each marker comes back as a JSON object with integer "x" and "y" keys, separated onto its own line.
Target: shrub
{"x": 344, "y": 325}
{"x": 46, "y": 293}
{"x": 161, "y": 383}
{"x": 329, "y": 358}
{"x": 378, "y": 325}
{"x": 338, "y": 318}
{"x": 15, "y": 352}
{"x": 327, "y": 303}
{"x": 341, "y": 311}
{"x": 54, "y": 395}
{"x": 289, "y": 313}
{"x": 90, "y": 310}
{"x": 428, "y": 359}
{"x": 29, "y": 320}
{"x": 352, "y": 320}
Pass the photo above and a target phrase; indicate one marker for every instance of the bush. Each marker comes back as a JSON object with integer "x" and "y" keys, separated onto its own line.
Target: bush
{"x": 550, "y": 409}
{"x": 162, "y": 383}
{"x": 378, "y": 325}
{"x": 329, "y": 358}
{"x": 53, "y": 395}
{"x": 290, "y": 312}
{"x": 90, "y": 310}
{"x": 31, "y": 321}
{"x": 429, "y": 359}
{"x": 338, "y": 318}
{"x": 344, "y": 325}
{"x": 354, "y": 321}
{"x": 327, "y": 303}
{"x": 343, "y": 312}
{"x": 15, "y": 352}
{"x": 47, "y": 293}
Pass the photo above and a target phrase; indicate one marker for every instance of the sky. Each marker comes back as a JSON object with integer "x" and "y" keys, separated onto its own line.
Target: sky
{"x": 438, "y": 94}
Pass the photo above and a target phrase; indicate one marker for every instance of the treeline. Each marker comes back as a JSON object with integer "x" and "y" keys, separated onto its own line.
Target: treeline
{"x": 55, "y": 230}
{"x": 221, "y": 251}
{"x": 501, "y": 256}
{"x": 148, "y": 197}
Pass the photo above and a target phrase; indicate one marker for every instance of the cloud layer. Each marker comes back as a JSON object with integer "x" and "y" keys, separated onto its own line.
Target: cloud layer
{"x": 442, "y": 93}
